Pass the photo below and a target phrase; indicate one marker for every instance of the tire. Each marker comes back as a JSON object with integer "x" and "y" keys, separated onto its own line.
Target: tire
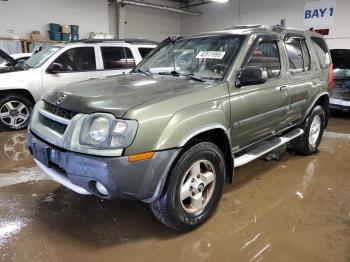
{"x": 207, "y": 160}
{"x": 304, "y": 144}
{"x": 15, "y": 111}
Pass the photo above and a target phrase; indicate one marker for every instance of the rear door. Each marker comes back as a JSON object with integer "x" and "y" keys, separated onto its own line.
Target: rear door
{"x": 79, "y": 64}
{"x": 116, "y": 60}
{"x": 300, "y": 85}
{"x": 260, "y": 110}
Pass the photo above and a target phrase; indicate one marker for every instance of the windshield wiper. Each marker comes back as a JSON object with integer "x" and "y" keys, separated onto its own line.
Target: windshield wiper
{"x": 147, "y": 73}
{"x": 175, "y": 73}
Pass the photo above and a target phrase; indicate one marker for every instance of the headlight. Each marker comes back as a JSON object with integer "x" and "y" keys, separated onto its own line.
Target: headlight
{"x": 104, "y": 131}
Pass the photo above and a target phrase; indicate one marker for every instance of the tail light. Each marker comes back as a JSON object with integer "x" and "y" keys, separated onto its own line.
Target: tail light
{"x": 331, "y": 78}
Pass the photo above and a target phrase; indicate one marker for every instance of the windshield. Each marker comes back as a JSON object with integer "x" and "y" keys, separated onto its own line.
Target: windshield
{"x": 341, "y": 63}
{"x": 204, "y": 56}
{"x": 40, "y": 58}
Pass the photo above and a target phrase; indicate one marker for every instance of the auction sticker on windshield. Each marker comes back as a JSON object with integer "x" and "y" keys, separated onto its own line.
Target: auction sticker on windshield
{"x": 211, "y": 54}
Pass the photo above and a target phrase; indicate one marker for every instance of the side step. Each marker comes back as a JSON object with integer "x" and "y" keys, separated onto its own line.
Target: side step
{"x": 266, "y": 146}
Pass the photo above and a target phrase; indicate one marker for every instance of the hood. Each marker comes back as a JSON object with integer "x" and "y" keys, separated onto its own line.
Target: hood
{"x": 119, "y": 94}
{"x": 7, "y": 57}
{"x": 9, "y": 65}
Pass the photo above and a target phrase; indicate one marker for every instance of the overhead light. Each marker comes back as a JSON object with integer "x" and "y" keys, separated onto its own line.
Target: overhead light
{"x": 220, "y": 1}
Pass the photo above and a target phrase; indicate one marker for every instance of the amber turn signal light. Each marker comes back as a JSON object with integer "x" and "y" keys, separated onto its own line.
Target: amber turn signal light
{"x": 139, "y": 157}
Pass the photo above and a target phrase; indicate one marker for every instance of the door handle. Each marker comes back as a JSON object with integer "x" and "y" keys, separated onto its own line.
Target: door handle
{"x": 93, "y": 78}
{"x": 283, "y": 89}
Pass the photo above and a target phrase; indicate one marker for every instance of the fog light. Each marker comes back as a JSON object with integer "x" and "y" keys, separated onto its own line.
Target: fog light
{"x": 101, "y": 189}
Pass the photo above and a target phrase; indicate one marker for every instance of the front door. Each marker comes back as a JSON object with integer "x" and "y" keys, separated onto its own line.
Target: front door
{"x": 78, "y": 64}
{"x": 260, "y": 110}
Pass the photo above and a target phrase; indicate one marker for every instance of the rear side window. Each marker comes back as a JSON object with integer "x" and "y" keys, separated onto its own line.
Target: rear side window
{"x": 144, "y": 51}
{"x": 117, "y": 58}
{"x": 298, "y": 55}
{"x": 266, "y": 55}
{"x": 321, "y": 51}
{"x": 78, "y": 59}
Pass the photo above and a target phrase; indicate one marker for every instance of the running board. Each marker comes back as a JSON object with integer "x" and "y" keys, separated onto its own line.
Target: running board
{"x": 266, "y": 146}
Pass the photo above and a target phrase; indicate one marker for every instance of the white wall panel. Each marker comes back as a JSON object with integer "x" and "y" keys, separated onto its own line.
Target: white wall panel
{"x": 23, "y": 16}
{"x": 149, "y": 23}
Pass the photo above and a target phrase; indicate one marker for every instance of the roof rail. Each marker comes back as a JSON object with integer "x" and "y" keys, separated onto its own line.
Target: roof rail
{"x": 276, "y": 28}
{"x": 126, "y": 40}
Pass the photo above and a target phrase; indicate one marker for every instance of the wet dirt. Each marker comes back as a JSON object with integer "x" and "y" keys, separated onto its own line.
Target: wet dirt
{"x": 295, "y": 209}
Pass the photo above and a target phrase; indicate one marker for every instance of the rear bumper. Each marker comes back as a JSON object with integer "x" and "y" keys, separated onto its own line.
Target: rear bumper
{"x": 141, "y": 180}
{"x": 335, "y": 103}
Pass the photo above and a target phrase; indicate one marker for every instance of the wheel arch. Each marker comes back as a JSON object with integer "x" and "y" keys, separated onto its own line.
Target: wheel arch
{"x": 323, "y": 100}
{"x": 21, "y": 91}
{"x": 218, "y": 135}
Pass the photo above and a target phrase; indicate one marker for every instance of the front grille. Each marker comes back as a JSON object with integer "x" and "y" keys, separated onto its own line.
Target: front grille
{"x": 58, "y": 127}
{"x": 60, "y": 111}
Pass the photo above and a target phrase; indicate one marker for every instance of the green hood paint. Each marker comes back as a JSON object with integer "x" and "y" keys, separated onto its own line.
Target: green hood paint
{"x": 119, "y": 94}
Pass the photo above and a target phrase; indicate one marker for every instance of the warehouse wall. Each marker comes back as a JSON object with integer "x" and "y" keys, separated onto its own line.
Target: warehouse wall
{"x": 215, "y": 17}
{"x": 23, "y": 16}
{"x": 153, "y": 24}
{"x": 266, "y": 12}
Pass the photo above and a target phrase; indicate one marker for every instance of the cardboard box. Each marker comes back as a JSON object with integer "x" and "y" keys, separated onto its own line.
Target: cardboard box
{"x": 36, "y": 36}
{"x": 66, "y": 29}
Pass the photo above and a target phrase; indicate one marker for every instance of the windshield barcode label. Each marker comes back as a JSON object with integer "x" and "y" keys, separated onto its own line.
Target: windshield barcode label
{"x": 211, "y": 54}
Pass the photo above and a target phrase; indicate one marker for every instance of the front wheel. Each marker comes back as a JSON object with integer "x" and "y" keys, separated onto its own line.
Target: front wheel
{"x": 313, "y": 126}
{"x": 193, "y": 189}
{"x": 15, "y": 110}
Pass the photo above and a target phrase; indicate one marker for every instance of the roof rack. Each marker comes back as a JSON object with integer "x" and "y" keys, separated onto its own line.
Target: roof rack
{"x": 126, "y": 40}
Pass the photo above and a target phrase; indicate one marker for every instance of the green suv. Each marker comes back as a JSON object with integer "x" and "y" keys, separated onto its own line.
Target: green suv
{"x": 172, "y": 131}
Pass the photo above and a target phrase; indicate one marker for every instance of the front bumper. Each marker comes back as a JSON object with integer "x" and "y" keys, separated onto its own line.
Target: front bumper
{"x": 335, "y": 103}
{"x": 141, "y": 180}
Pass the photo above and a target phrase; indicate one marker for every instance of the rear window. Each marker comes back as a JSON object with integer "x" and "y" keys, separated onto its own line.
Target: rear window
{"x": 321, "y": 51}
{"x": 341, "y": 63}
{"x": 144, "y": 51}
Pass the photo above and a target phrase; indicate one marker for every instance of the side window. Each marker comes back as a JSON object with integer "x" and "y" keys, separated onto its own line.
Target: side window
{"x": 298, "y": 55}
{"x": 321, "y": 51}
{"x": 306, "y": 55}
{"x": 78, "y": 59}
{"x": 117, "y": 57}
{"x": 266, "y": 55}
{"x": 113, "y": 57}
{"x": 129, "y": 58}
{"x": 144, "y": 51}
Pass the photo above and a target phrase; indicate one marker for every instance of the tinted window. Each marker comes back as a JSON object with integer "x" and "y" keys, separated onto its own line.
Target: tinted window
{"x": 266, "y": 55}
{"x": 144, "y": 51}
{"x": 117, "y": 58}
{"x": 295, "y": 55}
{"x": 321, "y": 51}
{"x": 78, "y": 59}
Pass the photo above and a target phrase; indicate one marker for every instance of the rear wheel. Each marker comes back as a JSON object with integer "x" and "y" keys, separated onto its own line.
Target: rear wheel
{"x": 15, "y": 112}
{"x": 313, "y": 127}
{"x": 194, "y": 188}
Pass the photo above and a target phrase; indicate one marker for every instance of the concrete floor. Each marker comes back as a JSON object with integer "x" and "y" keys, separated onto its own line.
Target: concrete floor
{"x": 297, "y": 209}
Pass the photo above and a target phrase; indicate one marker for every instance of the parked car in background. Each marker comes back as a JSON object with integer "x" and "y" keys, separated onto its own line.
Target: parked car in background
{"x": 171, "y": 132}
{"x": 340, "y": 98}
{"x": 22, "y": 84}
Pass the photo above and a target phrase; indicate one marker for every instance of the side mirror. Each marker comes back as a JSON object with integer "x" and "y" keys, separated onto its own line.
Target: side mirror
{"x": 251, "y": 75}
{"x": 55, "y": 68}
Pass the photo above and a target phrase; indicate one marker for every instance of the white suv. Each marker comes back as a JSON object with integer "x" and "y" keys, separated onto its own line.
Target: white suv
{"x": 57, "y": 65}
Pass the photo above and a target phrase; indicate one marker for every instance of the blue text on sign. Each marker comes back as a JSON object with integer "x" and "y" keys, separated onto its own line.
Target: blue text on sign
{"x": 318, "y": 13}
